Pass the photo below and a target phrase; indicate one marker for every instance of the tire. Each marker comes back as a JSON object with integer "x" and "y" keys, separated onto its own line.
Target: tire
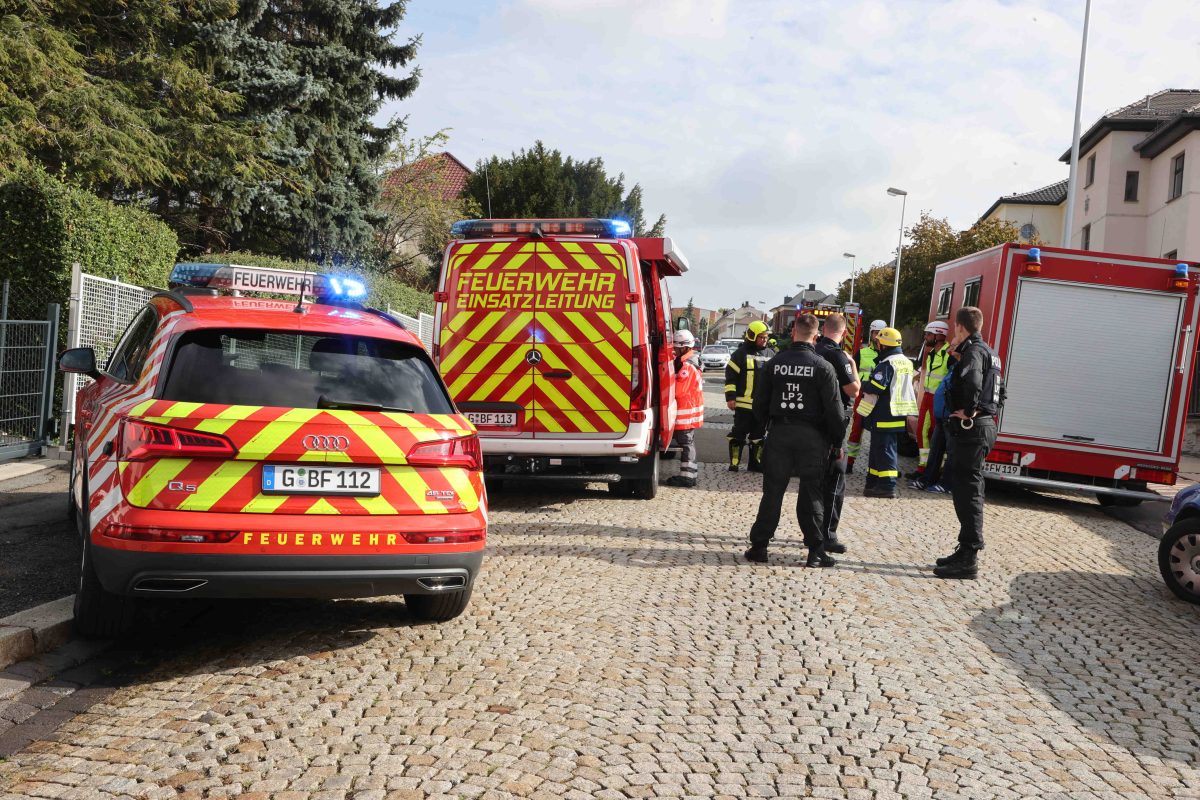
{"x": 647, "y": 487}
{"x": 1179, "y": 559}
{"x": 437, "y": 607}
{"x": 99, "y": 614}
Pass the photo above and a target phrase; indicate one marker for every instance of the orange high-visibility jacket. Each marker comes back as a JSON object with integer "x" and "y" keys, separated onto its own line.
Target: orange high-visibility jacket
{"x": 689, "y": 394}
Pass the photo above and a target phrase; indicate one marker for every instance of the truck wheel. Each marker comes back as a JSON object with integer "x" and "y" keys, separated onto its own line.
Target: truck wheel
{"x": 437, "y": 607}
{"x": 1179, "y": 559}
{"x": 646, "y": 488}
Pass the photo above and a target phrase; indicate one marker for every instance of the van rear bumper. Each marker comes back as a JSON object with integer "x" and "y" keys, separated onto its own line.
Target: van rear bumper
{"x": 635, "y": 442}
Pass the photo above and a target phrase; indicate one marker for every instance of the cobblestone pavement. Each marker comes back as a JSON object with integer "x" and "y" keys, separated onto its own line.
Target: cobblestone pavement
{"x": 620, "y": 648}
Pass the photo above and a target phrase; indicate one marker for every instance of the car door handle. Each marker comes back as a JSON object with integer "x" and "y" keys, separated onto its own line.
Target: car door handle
{"x": 558, "y": 374}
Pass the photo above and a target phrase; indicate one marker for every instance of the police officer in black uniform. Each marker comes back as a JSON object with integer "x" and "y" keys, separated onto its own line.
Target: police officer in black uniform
{"x": 798, "y": 400}
{"x": 974, "y": 397}
{"x": 829, "y": 347}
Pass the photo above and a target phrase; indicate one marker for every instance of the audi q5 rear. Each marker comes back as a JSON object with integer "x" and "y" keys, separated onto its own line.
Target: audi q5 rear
{"x": 246, "y": 447}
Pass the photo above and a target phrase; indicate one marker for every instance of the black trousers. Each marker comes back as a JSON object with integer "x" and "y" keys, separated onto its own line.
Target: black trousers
{"x": 834, "y": 494}
{"x": 799, "y": 450}
{"x": 968, "y": 449}
{"x": 935, "y": 472}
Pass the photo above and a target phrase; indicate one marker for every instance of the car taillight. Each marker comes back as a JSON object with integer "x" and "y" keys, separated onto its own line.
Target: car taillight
{"x": 141, "y": 441}
{"x": 455, "y": 537}
{"x": 461, "y": 452}
{"x": 139, "y": 533}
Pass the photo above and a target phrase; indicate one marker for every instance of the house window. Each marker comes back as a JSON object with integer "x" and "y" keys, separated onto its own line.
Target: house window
{"x": 944, "y": 296}
{"x": 971, "y": 292}
{"x": 1172, "y": 255}
{"x": 1085, "y": 238}
{"x": 1091, "y": 171}
{"x": 1176, "y": 177}
{"x": 1131, "y": 185}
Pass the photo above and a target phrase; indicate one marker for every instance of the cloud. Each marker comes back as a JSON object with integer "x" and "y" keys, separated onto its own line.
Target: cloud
{"x": 767, "y": 131}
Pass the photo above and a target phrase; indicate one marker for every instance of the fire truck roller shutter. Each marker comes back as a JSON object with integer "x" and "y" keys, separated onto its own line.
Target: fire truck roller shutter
{"x": 1091, "y": 364}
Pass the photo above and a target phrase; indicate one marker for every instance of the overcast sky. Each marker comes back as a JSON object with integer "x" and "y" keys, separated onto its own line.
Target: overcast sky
{"x": 768, "y": 130}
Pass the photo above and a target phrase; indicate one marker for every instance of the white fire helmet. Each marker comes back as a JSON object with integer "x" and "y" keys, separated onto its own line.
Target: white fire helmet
{"x": 938, "y": 327}
{"x": 684, "y": 339}
{"x": 878, "y": 325}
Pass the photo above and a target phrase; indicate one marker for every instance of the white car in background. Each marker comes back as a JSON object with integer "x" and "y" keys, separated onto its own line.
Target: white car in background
{"x": 714, "y": 356}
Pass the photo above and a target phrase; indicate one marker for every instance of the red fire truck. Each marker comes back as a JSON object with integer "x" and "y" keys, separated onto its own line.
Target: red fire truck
{"x": 1098, "y": 351}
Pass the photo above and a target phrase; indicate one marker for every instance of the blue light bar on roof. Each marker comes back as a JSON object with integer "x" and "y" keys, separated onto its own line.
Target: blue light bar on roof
{"x": 487, "y": 228}
{"x": 332, "y": 289}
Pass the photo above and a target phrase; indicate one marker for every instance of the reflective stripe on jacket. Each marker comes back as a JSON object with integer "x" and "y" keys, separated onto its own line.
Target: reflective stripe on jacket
{"x": 740, "y": 374}
{"x": 937, "y": 364}
{"x": 689, "y": 395}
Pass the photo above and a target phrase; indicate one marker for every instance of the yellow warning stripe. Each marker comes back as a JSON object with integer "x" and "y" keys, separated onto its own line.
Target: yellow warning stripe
{"x": 513, "y": 362}
{"x": 600, "y": 342}
{"x": 216, "y": 486}
{"x": 322, "y": 506}
{"x": 620, "y": 397}
{"x": 489, "y": 352}
{"x": 519, "y": 387}
{"x": 155, "y": 480}
{"x": 274, "y": 434}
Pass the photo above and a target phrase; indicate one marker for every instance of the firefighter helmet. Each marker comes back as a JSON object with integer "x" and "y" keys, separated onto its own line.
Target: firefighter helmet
{"x": 878, "y": 325}
{"x": 938, "y": 327}
{"x": 755, "y": 329}
{"x": 889, "y": 337}
{"x": 684, "y": 339}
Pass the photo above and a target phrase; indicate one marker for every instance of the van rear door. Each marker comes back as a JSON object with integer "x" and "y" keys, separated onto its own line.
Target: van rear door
{"x": 583, "y": 338}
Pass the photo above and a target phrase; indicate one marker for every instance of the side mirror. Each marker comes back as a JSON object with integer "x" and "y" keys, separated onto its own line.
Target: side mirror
{"x": 79, "y": 361}
{"x": 682, "y": 324}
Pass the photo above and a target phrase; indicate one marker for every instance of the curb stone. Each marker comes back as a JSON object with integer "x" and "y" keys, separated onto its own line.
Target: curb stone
{"x": 34, "y": 631}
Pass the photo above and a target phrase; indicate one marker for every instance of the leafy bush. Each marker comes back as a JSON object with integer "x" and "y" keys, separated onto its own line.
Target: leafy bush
{"x": 46, "y": 225}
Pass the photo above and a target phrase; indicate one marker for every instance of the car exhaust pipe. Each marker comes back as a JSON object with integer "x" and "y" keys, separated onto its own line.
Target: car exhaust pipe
{"x": 439, "y": 583}
{"x": 169, "y": 585}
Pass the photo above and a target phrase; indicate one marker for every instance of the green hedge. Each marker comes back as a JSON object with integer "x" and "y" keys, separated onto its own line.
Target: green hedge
{"x": 46, "y": 225}
{"x": 383, "y": 291}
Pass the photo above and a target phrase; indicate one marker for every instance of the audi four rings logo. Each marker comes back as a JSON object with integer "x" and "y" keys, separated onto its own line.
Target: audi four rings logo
{"x": 312, "y": 442}
{"x": 533, "y": 357}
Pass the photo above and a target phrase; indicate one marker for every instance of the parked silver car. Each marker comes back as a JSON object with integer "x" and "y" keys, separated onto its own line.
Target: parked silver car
{"x": 714, "y": 356}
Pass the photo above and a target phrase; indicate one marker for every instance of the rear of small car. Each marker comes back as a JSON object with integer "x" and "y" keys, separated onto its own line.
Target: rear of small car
{"x": 268, "y": 453}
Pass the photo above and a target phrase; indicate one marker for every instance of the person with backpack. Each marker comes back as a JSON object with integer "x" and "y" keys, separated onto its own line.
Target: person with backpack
{"x": 974, "y": 398}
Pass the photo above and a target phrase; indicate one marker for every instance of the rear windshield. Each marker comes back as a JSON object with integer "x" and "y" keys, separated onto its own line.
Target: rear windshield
{"x": 716, "y": 348}
{"x": 302, "y": 370}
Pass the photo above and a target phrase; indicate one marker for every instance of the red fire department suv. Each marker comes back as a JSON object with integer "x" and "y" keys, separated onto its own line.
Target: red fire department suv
{"x": 246, "y": 447}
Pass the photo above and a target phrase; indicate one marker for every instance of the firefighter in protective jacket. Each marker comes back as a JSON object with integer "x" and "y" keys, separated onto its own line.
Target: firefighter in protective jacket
{"x": 889, "y": 398}
{"x": 689, "y": 399}
{"x": 741, "y": 377}
{"x": 934, "y": 366}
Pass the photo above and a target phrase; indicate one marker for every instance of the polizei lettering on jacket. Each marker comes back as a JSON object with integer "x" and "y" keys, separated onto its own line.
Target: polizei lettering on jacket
{"x": 794, "y": 370}
{"x": 536, "y": 291}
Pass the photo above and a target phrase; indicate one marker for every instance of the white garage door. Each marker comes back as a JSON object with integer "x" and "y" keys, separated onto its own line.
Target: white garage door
{"x": 1091, "y": 364}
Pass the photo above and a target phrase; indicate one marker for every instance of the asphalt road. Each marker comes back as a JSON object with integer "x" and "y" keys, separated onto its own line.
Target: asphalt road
{"x": 38, "y": 553}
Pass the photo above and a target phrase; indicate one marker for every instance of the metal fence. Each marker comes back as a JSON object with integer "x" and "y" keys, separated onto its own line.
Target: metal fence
{"x": 421, "y": 325}
{"x": 100, "y": 310}
{"x": 27, "y": 383}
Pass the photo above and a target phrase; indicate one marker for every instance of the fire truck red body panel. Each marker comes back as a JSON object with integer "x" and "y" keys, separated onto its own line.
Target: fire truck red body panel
{"x": 1098, "y": 351}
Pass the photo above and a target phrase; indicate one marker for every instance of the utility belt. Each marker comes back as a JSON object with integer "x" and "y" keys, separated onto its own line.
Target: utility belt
{"x": 956, "y": 425}
{"x": 813, "y": 422}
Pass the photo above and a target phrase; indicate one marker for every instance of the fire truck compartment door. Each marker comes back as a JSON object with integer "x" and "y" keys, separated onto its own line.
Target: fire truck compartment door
{"x": 1092, "y": 364}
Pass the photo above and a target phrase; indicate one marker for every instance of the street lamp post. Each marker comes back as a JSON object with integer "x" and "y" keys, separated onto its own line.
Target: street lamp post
{"x": 851, "y": 256}
{"x": 903, "y": 195}
{"x": 1073, "y": 175}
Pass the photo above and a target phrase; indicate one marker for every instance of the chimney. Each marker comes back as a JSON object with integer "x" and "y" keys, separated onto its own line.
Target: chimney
{"x": 812, "y": 287}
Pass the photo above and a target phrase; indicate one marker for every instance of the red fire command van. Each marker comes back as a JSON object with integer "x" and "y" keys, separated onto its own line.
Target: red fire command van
{"x": 1098, "y": 351}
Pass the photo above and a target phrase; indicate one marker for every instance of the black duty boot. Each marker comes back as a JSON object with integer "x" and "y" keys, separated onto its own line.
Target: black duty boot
{"x": 681, "y": 481}
{"x": 834, "y": 546}
{"x": 966, "y": 568}
{"x": 756, "y": 554}
{"x": 819, "y": 558}
{"x": 735, "y": 456}
{"x": 756, "y": 452}
{"x": 958, "y": 555}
